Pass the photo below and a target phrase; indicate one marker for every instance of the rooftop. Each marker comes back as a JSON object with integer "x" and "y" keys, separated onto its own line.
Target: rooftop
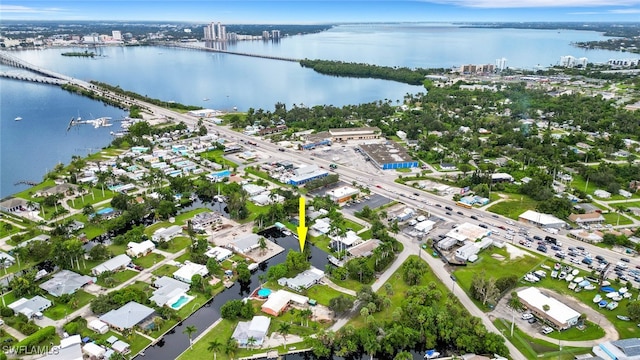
{"x": 388, "y": 153}
{"x": 557, "y": 310}
{"x": 65, "y": 282}
{"x": 127, "y": 316}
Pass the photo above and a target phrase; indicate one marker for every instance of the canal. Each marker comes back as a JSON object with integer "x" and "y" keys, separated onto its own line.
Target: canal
{"x": 175, "y": 342}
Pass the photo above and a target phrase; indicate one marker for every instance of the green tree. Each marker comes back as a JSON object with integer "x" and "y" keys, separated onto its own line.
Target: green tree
{"x": 231, "y": 347}
{"x": 190, "y": 330}
{"x": 244, "y": 275}
{"x": 214, "y": 346}
{"x": 213, "y": 265}
{"x": 633, "y": 309}
{"x": 99, "y": 252}
{"x": 283, "y": 329}
{"x": 262, "y": 243}
{"x": 297, "y": 261}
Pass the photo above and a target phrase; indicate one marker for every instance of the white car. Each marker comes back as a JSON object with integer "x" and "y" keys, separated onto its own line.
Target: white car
{"x": 547, "y": 330}
{"x": 527, "y": 316}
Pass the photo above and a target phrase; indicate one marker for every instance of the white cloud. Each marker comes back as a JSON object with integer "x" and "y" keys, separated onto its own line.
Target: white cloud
{"x": 4, "y": 8}
{"x": 625, "y": 11}
{"x": 535, "y": 3}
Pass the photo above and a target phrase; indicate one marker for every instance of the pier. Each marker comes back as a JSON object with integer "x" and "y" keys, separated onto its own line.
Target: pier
{"x": 202, "y": 48}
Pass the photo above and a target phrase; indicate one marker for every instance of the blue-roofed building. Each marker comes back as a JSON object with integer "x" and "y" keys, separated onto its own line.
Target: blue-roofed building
{"x": 218, "y": 176}
{"x": 626, "y": 349}
{"x": 388, "y": 156}
{"x": 304, "y": 174}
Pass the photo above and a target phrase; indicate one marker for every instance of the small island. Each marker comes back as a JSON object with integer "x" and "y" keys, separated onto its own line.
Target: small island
{"x": 75, "y": 53}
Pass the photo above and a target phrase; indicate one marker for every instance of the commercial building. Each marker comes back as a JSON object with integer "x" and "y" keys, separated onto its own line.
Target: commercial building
{"x": 65, "y": 282}
{"x": 360, "y": 133}
{"x": 626, "y": 349}
{"x": 127, "y": 316}
{"x": 424, "y": 226}
{"x": 472, "y": 248}
{"x": 388, "y": 156}
{"x": 136, "y": 250}
{"x": 541, "y": 220}
{"x": 405, "y": 214}
{"x": 342, "y": 194}
{"x": 188, "y": 270}
{"x": 559, "y": 314}
{"x": 256, "y": 329}
{"x": 591, "y": 218}
{"x": 304, "y": 174}
{"x": 114, "y": 264}
{"x": 279, "y": 300}
{"x": 166, "y": 234}
{"x": 468, "y": 231}
{"x": 588, "y": 237}
{"x": 311, "y": 141}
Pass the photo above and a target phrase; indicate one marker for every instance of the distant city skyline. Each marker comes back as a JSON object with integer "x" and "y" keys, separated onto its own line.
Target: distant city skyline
{"x": 328, "y": 11}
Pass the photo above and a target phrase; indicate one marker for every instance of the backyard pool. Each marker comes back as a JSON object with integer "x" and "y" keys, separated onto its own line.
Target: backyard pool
{"x": 181, "y": 301}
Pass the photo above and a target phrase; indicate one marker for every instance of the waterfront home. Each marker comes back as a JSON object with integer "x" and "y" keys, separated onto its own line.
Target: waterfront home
{"x": 114, "y": 264}
{"x": 168, "y": 289}
{"x": 255, "y": 329}
{"x": 13, "y": 205}
{"x": 219, "y": 253}
{"x": 304, "y": 280}
{"x": 279, "y": 300}
{"x": 188, "y": 270}
{"x": 65, "y": 282}
{"x": 245, "y": 243}
{"x": 127, "y": 316}
{"x": 93, "y": 351}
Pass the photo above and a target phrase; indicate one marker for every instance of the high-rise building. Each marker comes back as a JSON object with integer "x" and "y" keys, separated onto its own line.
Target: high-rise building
{"x": 501, "y": 64}
{"x": 215, "y": 32}
{"x": 567, "y": 61}
{"x": 116, "y": 35}
{"x": 275, "y": 34}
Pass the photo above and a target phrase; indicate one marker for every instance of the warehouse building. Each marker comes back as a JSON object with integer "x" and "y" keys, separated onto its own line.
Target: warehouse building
{"x": 388, "y": 156}
{"x": 360, "y": 133}
{"x": 304, "y": 174}
{"x": 559, "y": 314}
{"x": 342, "y": 194}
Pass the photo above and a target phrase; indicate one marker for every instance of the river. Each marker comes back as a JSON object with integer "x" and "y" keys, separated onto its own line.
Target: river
{"x": 30, "y": 147}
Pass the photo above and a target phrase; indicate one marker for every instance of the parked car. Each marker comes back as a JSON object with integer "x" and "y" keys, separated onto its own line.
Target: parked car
{"x": 542, "y": 248}
{"x": 527, "y": 316}
{"x": 547, "y": 330}
{"x": 532, "y": 320}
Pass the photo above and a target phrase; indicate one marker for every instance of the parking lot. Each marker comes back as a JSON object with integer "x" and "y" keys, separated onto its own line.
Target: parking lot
{"x": 374, "y": 202}
{"x": 345, "y": 155}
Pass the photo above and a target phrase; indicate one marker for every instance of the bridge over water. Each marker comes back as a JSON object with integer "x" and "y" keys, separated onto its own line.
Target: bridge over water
{"x": 203, "y": 48}
{"x": 33, "y": 78}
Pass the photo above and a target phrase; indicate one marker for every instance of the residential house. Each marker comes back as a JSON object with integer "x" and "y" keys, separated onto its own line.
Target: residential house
{"x": 65, "y": 282}
{"x": 279, "y": 300}
{"x": 127, "y": 316}
{"x": 186, "y": 271}
{"x": 245, "y": 243}
{"x": 114, "y": 264}
{"x": 136, "y": 250}
{"x": 166, "y": 234}
{"x": 168, "y": 289}
{"x": 31, "y": 307}
{"x": 304, "y": 280}
{"x": 256, "y": 329}
{"x": 98, "y": 326}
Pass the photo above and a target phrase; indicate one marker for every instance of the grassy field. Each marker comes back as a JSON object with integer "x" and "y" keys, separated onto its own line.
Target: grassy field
{"x": 118, "y": 278}
{"x": 217, "y": 156}
{"x": 26, "y": 194}
{"x": 322, "y": 294}
{"x": 7, "y": 229}
{"x": 94, "y": 196}
{"x": 177, "y": 244}
{"x": 513, "y": 207}
{"x": 590, "y": 332}
{"x": 148, "y": 260}
{"x": 399, "y": 290}
{"x": 612, "y": 218}
{"x": 535, "y": 348}
{"x": 495, "y": 268}
{"x": 165, "y": 270}
{"x": 59, "y": 310}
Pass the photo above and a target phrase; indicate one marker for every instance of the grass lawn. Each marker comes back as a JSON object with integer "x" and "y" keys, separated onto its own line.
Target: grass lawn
{"x": 579, "y": 183}
{"x": 93, "y": 197}
{"x": 612, "y": 218}
{"x": 535, "y": 348}
{"x": 12, "y": 229}
{"x": 399, "y": 290}
{"x": 26, "y": 194}
{"x": 8, "y": 298}
{"x": 591, "y": 332}
{"x": 217, "y": 156}
{"x": 254, "y": 211}
{"x": 177, "y": 244}
{"x": 513, "y": 207}
{"x": 149, "y": 260}
{"x": 495, "y": 268}
{"x": 90, "y": 229}
{"x": 348, "y": 284}
{"x": 221, "y": 333}
{"x": 348, "y": 224}
{"x": 365, "y": 235}
{"x": 165, "y": 270}
{"x": 183, "y": 257}
{"x": 59, "y": 310}
{"x": 322, "y": 294}
{"x": 321, "y": 242}
{"x": 118, "y": 278}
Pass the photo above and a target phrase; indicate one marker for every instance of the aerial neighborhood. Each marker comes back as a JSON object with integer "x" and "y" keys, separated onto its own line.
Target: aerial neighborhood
{"x": 494, "y": 203}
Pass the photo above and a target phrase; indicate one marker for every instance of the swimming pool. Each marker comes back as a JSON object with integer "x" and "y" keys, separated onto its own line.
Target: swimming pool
{"x": 104, "y": 211}
{"x": 181, "y": 301}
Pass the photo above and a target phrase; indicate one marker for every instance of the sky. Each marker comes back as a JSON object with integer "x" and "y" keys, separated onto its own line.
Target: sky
{"x": 323, "y": 11}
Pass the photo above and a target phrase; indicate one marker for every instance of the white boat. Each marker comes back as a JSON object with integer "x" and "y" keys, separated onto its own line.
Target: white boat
{"x": 617, "y": 298}
{"x": 606, "y": 283}
{"x": 590, "y": 287}
{"x": 572, "y": 286}
{"x": 578, "y": 280}
{"x": 597, "y": 298}
{"x": 18, "y": 118}
{"x": 545, "y": 266}
{"x": 627, "y": 295}
{"x": 612, "y": 305}
{"x": 554, "y": 274}
{"x": 562, "y": 275}
{"x": 540, "y": 273}
{"x": 623, "y": 290}
{"x": 575, "y": 272}
{"x": 611, "y": 295}
{"x": 570, "y": 277}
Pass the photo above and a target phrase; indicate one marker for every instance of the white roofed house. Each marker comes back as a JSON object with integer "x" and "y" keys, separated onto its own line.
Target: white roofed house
{"x": 31, "y": 307}
{"x": 168, "y": 289}
{"x": 186, "y": 271}
{"x": 136, "y": 250}
{"x": 166, "y": 234}
{"x": 65, "y": 282}
{"x": 219, "y": 253}
{"x": 114, "y": 264}
{"x": 245, "y": 243}
{"x": 255, "y": 329}
{"x": 349, "y": 239}
{"x": 128, "y": 316}
{"x": 6, "y": 260}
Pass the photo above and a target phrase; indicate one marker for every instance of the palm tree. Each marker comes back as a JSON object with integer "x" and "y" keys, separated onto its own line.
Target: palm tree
{"x": 262, "y": 243}
{"x": 189, "y": 330}
{"x": 619, "y": 210}
{"x": 306, "y": 313}
{"x": 214, "y": 347}
{"x": 251, "y": 341}
{"x": 231, "y": 347}
{"x": 283, "y": 329}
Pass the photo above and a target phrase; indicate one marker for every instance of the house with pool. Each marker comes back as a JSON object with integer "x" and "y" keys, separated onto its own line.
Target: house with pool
{"x": 170, "y": 292}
